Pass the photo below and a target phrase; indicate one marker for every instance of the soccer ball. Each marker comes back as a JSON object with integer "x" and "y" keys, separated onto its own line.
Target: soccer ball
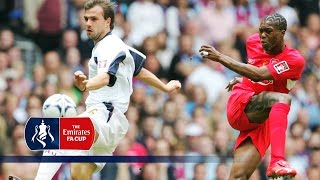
{"x": 59, "y": 105}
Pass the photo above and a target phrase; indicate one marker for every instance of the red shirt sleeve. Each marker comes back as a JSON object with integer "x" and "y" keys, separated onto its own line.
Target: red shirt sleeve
{"x": 289, "y": 67}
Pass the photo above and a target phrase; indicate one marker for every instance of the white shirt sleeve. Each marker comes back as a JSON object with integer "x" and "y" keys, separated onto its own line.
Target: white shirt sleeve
{"x": 109, "y": 57}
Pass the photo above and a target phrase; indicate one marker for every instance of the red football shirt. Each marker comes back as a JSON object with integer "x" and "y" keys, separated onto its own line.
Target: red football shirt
{"x": 285, "y": 67}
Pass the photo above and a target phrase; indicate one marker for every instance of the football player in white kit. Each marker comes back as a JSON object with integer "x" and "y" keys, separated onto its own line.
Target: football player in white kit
{"x": 111, "y": 69}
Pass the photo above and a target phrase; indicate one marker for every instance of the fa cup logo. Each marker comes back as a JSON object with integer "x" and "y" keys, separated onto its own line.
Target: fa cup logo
{"x": 41, "y": 132}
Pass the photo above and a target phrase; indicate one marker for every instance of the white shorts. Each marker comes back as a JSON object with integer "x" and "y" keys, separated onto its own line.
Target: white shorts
{"x": 111, "y": 130}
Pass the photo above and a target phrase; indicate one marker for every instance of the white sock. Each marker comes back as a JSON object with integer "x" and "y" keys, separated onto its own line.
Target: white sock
{"x": 46, "y": 171}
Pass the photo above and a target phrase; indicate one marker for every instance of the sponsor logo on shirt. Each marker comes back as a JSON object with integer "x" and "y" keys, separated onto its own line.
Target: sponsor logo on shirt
{"x": 281, "y": 67}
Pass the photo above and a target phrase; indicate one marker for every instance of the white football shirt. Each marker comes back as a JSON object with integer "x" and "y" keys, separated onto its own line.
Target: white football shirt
{"x": 111, "y": 55}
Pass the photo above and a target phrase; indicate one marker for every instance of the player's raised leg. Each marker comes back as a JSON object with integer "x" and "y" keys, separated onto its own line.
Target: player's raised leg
{"x": 274, "y": 106}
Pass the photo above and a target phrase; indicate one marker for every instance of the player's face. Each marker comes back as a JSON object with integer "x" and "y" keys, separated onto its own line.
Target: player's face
{"x": 96, "y": 25}
{"x": 270, "y": 36}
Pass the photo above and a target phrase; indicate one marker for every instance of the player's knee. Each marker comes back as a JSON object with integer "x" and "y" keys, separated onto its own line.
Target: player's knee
{"x": 284, "y": 98}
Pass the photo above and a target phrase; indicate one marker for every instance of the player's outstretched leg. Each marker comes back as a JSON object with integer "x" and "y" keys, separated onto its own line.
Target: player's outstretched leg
{"x": 275, "y": 107}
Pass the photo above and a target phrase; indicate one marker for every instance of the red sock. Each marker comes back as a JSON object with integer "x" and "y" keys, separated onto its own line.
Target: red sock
{"x": 278, "y": 125}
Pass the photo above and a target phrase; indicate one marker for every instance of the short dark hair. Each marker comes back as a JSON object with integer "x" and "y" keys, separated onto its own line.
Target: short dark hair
{"x": 277, "y": 20}
{"x": 107, "y": 7}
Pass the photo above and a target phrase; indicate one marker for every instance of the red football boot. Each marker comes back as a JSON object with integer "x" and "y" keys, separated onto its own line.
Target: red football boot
{"x": 280, "y": 169}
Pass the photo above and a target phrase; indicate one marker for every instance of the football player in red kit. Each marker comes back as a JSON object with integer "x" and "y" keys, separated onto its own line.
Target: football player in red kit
{"x": 259, "y": 104}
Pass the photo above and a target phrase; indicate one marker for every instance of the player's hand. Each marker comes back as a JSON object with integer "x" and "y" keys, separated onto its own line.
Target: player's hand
{"x": 79, "y": 80}
{"x": 172, "y": 86}
{"x": 233, "y": 82}
{"x": 209, "y": 52}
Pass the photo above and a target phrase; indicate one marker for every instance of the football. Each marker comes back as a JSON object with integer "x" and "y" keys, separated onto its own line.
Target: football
{"x": 59, "y": 105}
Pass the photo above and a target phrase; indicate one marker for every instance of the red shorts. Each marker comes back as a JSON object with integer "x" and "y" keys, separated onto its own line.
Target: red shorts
{"x": 259, "y": 133}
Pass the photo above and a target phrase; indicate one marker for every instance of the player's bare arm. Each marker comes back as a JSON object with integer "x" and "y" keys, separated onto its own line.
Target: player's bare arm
{"x": 97, "y": 82}
{"x": 100, "y": 80}
{"x": 149, "y": 78}
{"x": 252, "y": 72}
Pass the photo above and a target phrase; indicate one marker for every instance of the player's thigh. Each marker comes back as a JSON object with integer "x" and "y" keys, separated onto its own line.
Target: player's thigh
{"x": 82, "y": 171}
{"x": 246, "y": 160}
{"x": 259, "y": 107}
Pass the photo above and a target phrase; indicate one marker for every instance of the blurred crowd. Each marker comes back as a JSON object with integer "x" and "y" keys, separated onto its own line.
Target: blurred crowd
{"x": 42, "y": 42}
